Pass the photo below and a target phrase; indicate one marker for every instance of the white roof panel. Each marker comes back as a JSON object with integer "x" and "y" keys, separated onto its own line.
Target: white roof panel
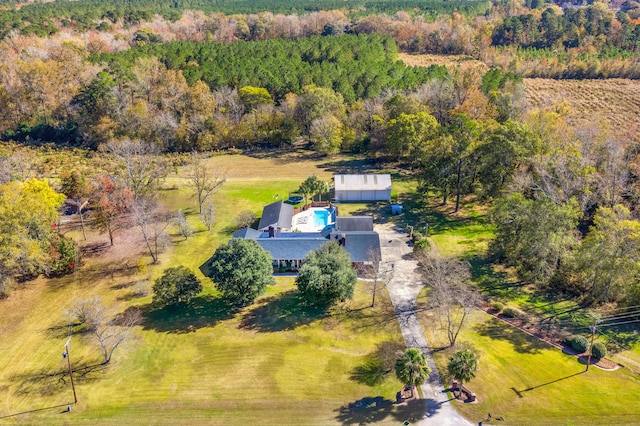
{"x": 362, "y": 182}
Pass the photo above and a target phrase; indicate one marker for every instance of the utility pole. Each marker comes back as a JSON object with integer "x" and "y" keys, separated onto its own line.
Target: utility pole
{"x": 593, "y": 334}
{"x": 68, "y": 356}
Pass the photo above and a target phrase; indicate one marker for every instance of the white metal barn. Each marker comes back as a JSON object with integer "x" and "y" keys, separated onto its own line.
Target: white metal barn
{"x": 362, "y": 188}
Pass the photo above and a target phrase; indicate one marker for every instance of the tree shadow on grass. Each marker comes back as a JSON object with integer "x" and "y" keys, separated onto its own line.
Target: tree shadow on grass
{"x": 63, "y": 329}
{"x": 493, "y": 283}
{"x": 202, "y": 311}
{"x": 365, "y": 410}
{"x": 377, "y": 409}
{"x": 351, "y": 166}
{"x": 284, "y": 311}
{"x": 522, "y": 342}
{"x": 44, "y": 382}
{"x": 378, "y": 364}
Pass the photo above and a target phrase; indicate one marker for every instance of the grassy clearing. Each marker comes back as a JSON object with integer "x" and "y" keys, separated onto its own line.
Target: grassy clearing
{"x": 450, "y": 61}
{"x": 528, "y": 382}
{"x": 520, "y": 378}
{"x": 271, "y": 363}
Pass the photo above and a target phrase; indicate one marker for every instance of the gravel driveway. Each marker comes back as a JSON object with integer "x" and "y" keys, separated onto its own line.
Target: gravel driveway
{"x": 399, "y": 271}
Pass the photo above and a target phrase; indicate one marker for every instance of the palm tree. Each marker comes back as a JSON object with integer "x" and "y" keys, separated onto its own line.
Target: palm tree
{"x": 463, "y": 366}
{"x": 411, "y": 367}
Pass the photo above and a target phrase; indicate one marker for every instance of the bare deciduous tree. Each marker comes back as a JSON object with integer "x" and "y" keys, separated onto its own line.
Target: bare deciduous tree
{"x": 203, "y": 180}
{"x": 109, "y": 330}
{"x": 450, "y": 293}
{"x": 141, "y": 168}
{"x": 111, "y": 333}
{"x": 153, "y": 223}
{"x": 89, "y": 312}
{"x": 208, "y": 214}
{"x": 374, "y": 273}
{"x": 244, "y": 219}
{"x": 184, "y": 228}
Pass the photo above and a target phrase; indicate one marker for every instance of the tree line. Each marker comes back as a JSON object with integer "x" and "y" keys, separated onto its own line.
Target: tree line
{"x": 41, "y": 18}
{"x": 534, "y": 39}
{"x": 138, "y": 97}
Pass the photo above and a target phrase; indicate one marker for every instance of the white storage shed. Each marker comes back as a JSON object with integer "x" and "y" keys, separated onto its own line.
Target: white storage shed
{"x": 357, "y": 188}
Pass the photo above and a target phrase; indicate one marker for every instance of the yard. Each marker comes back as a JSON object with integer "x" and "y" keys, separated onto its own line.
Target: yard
{"x": 274, "y": 362}
{"x": 520, "y": 378}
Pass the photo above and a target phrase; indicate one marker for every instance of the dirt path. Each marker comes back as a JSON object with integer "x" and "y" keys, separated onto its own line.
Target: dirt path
{"x": 399, "y": 271}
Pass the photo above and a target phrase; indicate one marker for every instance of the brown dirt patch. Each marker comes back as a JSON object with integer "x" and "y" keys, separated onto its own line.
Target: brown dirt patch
{"x": 449, "y": 61}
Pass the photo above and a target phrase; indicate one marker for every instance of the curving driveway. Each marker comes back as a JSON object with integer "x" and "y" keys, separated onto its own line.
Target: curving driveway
{"x": 399, "y": 271}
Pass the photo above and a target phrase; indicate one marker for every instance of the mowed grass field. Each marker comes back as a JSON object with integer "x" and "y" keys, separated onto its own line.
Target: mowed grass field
{"x": 520, "y": 378}
{"x": 270, "y": 363}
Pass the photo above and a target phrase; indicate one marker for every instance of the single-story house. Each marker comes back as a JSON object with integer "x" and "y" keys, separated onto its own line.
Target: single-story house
{"x": 276, "y": 215}
{"x": 288, "y": 249}
{"x": 358, "y": 188}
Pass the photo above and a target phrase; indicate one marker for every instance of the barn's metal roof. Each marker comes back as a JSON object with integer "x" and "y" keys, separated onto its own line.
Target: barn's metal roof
{"x": 362, "y": 182}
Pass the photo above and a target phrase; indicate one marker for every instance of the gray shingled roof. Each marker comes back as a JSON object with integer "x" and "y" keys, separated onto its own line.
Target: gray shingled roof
{"x": 361, "y": 246}
{"x": 247, "y": 233}
{"x": 354, "y": 223}
{"x": 290, "y": 248}
{"x": 278, "y": 215}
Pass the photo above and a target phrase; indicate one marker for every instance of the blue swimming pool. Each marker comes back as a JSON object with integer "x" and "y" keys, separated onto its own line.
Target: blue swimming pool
{"x": 320, "y": 218}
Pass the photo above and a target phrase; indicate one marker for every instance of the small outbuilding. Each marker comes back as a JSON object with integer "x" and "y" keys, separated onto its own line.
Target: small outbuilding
{"x": 359, "y": 188}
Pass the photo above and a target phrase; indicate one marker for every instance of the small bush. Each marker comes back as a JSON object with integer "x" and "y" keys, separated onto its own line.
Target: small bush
{"x": 141, "y": 289}
{"x": 497, "y": 306}
{"x": 5, "y": 286}
{"x": 421, "y": 246}
{"x": 579, "y": 344}
{"x": 599, "y": 350}
{"x": 509, "y": 312}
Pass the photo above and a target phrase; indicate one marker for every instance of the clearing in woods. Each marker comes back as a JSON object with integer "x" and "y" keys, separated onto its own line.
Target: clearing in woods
{"x": 590, "y": 101}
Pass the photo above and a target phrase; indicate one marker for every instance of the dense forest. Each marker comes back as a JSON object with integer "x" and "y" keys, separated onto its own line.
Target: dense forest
{"x": 354, "y": 66}
{"x": 38, "y": 18}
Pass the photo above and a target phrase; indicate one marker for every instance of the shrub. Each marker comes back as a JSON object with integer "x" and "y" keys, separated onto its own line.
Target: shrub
{"x": 421, "y": 246}
{"x": 176, "y": 285}
{"x": 497, "y": 306}
{"x": 509, "y": 312}
{"x": 599, "y": 350}
{"x": 579, "y": 344}
{"x": 5, "y": 286}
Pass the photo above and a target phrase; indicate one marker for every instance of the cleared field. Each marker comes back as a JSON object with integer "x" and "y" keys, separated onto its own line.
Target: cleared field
{"x": 590, "y": 101}
{"x": 450, "y": 61}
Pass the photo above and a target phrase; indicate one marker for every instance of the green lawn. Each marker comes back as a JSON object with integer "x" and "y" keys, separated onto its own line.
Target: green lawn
{"x": 274, "y": 362}
{"x": 529, "y": 382}
{"x": 520, "y": 378}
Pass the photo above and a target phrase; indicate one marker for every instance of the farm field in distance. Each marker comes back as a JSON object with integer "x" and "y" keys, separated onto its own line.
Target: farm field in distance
{"x": 590, "y": 101}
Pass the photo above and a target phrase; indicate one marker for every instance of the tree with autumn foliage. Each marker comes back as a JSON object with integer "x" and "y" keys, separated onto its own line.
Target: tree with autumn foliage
{"x": 111, "y": 199}
{"x": 28, "y": 210}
